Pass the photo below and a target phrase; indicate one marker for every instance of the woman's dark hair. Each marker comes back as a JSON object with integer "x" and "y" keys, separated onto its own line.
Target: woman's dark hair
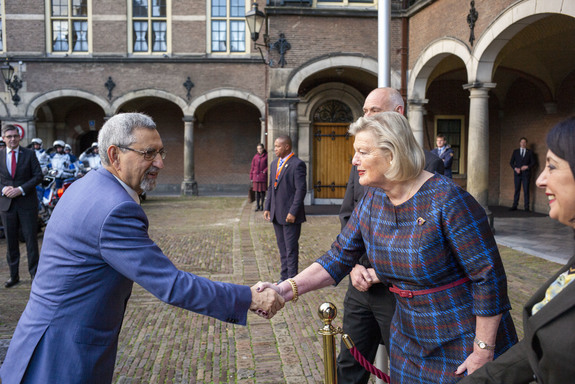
{"x": 561, "y": 141}
{"x": 263, "y": 146}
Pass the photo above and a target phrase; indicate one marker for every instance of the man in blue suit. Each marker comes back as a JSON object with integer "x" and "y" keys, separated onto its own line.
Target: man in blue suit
{"x": 284, "y": 204}
{"x": 69, "y": 330}
{"x": 445, "y": 153}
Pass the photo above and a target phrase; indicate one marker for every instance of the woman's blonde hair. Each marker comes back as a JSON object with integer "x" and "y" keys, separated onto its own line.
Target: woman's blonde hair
{"x": 394, "y": 136}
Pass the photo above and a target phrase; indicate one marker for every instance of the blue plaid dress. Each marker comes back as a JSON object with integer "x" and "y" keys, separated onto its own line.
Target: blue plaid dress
{"x": 437, "y": 237}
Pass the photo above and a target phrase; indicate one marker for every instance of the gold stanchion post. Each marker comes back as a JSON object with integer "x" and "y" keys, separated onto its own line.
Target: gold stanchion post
{"x": 327, "y": 312}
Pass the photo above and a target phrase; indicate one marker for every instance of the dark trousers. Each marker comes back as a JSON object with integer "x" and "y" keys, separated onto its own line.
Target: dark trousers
{"x": 521, "y": 179}
{"x": 366, "y": 318}
{"x": 27, "y": 220}
{"x": 287, "y": 237}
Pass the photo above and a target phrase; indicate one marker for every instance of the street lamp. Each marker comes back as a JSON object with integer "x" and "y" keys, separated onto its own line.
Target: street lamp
{"x": 255, "y": 19}
{"x": 12, "y": 81}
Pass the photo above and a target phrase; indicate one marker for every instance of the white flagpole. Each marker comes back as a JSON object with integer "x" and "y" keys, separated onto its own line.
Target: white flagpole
{"x": 384, "y": 43}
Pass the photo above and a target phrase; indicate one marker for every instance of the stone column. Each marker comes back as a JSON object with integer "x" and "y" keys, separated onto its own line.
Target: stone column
{"x": 263, "y": 132}
{"x": 282, "y": 120}
{"x": 189, "y": 185}
{"x": 31, "y": 130}
{"x": 416, "y": 116}
{"x": 293, "y": 126}
{"x": 478, "y": 142}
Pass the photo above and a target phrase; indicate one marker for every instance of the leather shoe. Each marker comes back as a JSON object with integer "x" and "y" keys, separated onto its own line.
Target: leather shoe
{"x": 12, "y": 282}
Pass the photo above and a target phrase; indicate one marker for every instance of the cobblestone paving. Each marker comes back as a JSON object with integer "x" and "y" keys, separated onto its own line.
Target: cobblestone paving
{"x": 223, "y": 239}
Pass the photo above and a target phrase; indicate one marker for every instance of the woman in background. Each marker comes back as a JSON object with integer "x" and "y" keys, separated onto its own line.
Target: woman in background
{"x": 547, "y": 352}
{"x": 259, "y": 175}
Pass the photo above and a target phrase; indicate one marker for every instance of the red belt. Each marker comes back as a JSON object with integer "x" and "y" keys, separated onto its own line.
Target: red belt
{"x": 410, "y": 294}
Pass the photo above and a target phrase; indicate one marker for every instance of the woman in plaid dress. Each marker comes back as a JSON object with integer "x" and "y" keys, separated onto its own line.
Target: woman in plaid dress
{"x": 431, "y": 241}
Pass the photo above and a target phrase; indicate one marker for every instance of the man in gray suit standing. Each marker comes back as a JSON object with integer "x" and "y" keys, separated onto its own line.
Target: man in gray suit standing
{"x": 20, "y": 172}
{"x": 284, "y": 204}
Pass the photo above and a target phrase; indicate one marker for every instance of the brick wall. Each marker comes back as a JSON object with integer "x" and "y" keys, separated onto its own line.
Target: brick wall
{"x": 448, "y": 18}
{"x": 313, "y": 36}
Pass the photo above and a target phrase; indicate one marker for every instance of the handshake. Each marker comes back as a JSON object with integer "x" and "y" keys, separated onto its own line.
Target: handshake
{"x": 267, "y": 299}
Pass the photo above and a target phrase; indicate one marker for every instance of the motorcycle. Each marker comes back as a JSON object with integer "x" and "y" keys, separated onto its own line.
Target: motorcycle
{"x": 48, "y": 196}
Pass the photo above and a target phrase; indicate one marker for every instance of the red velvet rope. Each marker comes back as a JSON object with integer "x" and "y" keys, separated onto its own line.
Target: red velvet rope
{"x": 367, "y": 365}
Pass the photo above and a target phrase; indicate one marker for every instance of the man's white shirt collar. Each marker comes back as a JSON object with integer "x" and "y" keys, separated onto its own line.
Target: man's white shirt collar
{"x": 128, "y": 189}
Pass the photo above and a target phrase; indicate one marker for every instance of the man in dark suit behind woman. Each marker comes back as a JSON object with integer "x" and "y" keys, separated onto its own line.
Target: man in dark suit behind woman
{"x": 522, "y": 160}
{"x": 20, "y": 172}
{"x": 284, "y": 203}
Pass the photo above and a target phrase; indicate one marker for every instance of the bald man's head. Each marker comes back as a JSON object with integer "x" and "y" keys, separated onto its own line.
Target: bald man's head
{"x": 383, "y": 100}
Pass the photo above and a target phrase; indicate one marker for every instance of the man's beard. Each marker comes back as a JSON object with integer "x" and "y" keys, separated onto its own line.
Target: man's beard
{"x": 148, "y": 185}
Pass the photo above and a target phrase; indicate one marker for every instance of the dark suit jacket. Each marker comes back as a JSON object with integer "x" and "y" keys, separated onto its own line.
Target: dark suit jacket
{"x": 517, "y": 161}
{"x": 433, "y": 163}
{"x": 547, "y": 352}
{"x": 69, "y": 330}
{"x": 290, "y": 192}
{"x": 447, "y": 157}
{"x": 28, "y": 175}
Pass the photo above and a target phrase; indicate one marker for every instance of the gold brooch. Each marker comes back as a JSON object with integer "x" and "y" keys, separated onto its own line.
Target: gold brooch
{"x": 420, "y": 221}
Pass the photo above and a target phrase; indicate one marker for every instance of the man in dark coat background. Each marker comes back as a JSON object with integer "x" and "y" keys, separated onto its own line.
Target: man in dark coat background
{"x": 445, "y": 153}
{"x": 284, "y": 203}
{"x": 522, "y": 160}
{"x": 20, "y": 172}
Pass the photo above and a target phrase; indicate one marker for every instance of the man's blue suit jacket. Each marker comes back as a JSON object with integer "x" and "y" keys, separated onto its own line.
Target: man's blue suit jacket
{"x": 95, "y": 246}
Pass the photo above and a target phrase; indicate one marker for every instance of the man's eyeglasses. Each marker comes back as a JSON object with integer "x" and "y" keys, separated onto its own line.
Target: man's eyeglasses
{"x": 149, "y": 154}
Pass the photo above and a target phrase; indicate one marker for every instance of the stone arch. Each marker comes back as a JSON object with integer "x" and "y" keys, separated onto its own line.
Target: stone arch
{"x": 43, "y": 98}
{"x": 308, "y": 69}
{"x": 330, "y": 91}
{"x": 181, "y": 103}
{"x": 428, "y": 60}
{"x": 507, "y": 25}
{"x": 226, "y": 92}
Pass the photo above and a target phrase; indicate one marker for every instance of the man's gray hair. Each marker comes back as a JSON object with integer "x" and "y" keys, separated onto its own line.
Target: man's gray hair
{"x": 119, "y": 131}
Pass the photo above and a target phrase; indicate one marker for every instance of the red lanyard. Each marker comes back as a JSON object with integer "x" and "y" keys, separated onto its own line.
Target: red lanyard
{"x": 279, "y": 170}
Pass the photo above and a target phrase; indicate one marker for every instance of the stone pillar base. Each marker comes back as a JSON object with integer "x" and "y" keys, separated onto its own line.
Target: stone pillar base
{"x": 190, "y": 188}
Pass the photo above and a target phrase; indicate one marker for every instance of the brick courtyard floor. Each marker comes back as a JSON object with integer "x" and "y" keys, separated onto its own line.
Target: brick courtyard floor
{"x": 224, "y": 239}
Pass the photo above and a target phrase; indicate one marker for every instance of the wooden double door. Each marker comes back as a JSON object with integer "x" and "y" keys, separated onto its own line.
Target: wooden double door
{"x": 332, "y": 156}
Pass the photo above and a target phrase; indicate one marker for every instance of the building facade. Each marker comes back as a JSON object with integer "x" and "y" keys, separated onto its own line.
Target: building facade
{"x": 484, "y": 73}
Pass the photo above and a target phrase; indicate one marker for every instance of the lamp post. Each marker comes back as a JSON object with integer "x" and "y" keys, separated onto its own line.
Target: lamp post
{"x": 12, "y": 81}
{"x": 255, "y": 19}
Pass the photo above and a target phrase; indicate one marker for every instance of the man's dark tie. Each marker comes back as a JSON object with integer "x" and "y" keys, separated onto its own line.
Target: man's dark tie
{"x": 13, "y": 163}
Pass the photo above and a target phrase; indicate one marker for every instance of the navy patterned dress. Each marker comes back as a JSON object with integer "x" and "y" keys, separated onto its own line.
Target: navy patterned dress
{"x": 437, "y": 237}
